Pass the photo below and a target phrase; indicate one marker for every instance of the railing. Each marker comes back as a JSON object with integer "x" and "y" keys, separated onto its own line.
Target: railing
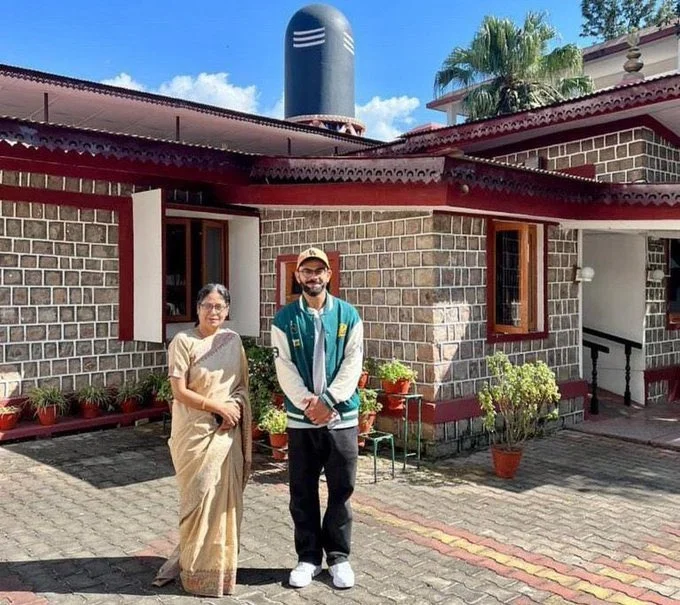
{"x": 596, "y": 349}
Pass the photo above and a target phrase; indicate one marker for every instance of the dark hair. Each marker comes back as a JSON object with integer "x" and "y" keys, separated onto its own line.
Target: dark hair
{"x": 208, "y": 289}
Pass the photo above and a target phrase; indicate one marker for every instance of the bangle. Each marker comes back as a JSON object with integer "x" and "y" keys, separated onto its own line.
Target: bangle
{"x": 203, "y": 404}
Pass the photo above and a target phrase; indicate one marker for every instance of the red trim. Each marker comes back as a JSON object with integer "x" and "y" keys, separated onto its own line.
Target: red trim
{"x": 669, "y": 373}
{"x": 587, "y": 171}
{"x": 468, "y": 407}
{"x": 584, "y": 132}
{"x": 120, "y": 204}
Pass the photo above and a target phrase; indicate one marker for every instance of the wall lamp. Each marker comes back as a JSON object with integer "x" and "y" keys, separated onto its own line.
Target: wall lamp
{"x": 583, "y": 274}
{"x": 655, "y": 276}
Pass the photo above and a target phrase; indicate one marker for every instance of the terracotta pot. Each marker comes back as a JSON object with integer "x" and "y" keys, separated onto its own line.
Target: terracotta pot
{"x": 256, "y": 431}
{"x": 129, "y": 406}
{"x": 48, "y": 415}
{"x": 363, "y": 380}
{"x": 278, "y": 400}
{"x": 279, "y": 441}
{"x": 9, "y": 421}
{"x": 505, "y": 461}
{"x": 89, "y": 410}
{"x": 392, "y": 390}
{"x": 366, "y": 421}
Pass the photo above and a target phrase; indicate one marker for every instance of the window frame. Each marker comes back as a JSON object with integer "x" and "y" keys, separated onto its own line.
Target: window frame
{"x": 530, "y": 286}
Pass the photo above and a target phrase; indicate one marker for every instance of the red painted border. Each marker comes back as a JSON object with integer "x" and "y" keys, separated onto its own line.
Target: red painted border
{"x": 120, "y": 204}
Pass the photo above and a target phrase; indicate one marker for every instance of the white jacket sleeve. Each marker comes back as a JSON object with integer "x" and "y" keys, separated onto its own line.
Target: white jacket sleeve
{"x": 345, "y": 382}
{"x": 289, "y": 378}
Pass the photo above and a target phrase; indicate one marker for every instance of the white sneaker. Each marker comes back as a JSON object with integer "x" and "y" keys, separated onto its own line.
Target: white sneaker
{"x": 342, "y": 574}
{"x": 303, "y": 574}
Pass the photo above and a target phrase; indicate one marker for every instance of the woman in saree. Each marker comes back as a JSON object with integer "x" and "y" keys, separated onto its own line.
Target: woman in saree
{"x": 210, "y": 448}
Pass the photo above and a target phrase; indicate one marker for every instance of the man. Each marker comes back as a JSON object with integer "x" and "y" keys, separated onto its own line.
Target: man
{"x": 319, "y": 345}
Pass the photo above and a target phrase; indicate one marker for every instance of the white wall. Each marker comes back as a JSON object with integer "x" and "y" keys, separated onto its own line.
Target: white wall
{"x": 244, "y": 274}
{"x": 614, "y": 302}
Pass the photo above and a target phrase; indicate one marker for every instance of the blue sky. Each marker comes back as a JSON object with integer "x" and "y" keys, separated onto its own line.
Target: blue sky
{"x": 230, "y": 53}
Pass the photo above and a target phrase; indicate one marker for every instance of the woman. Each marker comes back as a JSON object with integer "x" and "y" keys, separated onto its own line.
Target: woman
{"x": 210, "y": 452}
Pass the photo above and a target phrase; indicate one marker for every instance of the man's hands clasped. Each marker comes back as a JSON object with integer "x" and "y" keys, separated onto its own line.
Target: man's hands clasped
{"x": 317, "y": 411}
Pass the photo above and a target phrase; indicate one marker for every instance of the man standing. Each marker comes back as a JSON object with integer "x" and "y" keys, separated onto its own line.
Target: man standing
{"x": 319, "y": 345}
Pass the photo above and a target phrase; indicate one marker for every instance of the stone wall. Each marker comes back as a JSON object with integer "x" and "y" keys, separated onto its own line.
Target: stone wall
{"x": 419, "y": 283}
{"x": 59, "y": 293}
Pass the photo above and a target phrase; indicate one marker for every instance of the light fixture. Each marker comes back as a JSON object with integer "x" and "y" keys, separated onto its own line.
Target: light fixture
{"x": 656, "y": 275}
{"x": 583, "y": 274}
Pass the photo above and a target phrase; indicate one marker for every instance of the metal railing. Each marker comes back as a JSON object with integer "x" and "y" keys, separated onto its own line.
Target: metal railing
{"x": 596, "y": 349}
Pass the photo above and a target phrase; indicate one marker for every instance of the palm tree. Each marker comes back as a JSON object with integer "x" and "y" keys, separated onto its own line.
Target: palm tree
{"x": 509, "y": 69}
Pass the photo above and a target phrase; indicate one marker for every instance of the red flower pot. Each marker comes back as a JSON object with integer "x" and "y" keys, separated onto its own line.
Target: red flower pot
{"x": 279, "y": 442}
{"x": 505, "y": 462}
{"x": 129, "y": 406}
{"x": 363, "y": 380}
{"x": 9, "y": 421}
{"x": 256, "y": 431}
{"x": 89, "y": 410}
{"x": 48, "y": 415}
{"x": 392, "y": 390}
{"x": 159, "y": 403}
{"x": 366, "y": 421}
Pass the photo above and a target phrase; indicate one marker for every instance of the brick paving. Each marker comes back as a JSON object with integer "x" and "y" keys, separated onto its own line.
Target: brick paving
{"x": 88, "y": 518}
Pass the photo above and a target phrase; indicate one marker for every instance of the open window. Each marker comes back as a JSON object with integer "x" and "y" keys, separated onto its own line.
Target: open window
{"x": 673, "y": 285}
{"x": 516, "y": 280}
{"x": 287, "y": 288}
{"x": 196, "y": 253}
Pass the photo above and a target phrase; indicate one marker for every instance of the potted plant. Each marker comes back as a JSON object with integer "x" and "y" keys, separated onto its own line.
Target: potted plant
{"x": 129, "y": 396}
{"x": 369, "y": 406}
{"x": 151, "y": 385}
{"x": 92, "y": 398}
{"x": 368, "y": 369}
{"x": 263, "y": 384}
{"x": 163, "y": 396}
{"x": 514, "y": 403}
{"x": 48, "y": 403}
{"x": 275, "y": 422}
{"x": 396, "y": 379}
{"x": 9, "y": 416}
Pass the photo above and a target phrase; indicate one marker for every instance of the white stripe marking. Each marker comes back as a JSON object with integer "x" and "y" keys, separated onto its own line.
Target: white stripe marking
{"x": 348, "y": 48}
{"x": 308, "y": 31}
{"x": 308, "y": 38}
{"x": 309, "y": 44}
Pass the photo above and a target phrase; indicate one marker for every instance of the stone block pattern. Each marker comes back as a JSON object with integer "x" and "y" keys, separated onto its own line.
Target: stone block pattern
{"x": 419, "y": 282}
{"x": 59, "y": 294}
{"x": 625, "y": 156}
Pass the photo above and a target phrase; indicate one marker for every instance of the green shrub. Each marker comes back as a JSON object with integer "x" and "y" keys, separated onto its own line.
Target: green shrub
{"x": 368, "y": 401}
{"x": 394, "y": 371}
{"x": 274, "y": 421}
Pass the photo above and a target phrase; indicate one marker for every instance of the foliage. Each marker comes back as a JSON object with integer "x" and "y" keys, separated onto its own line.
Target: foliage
{"x": 93, "y": 394}
{"x": 44, "y": 397}
{"x": 609, "y": 19}
{"x": 164, "y": 391}
{"x": 274, "y": 421}
{"x": 129, "y": 390}
{"x": 368, "y": 401}
{"x": 152, "y": 382}
{"x": 508, "y": 68}
{"x": 522, "y": 395}
{"x": 262, "y": 377}
{"x": 7, "y": 410}
{"x": 370, "y": 365}
{"x": 393, "y": 371}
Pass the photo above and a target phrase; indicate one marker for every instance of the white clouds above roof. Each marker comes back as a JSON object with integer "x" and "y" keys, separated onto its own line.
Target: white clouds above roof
{"x": 386, "y": 119}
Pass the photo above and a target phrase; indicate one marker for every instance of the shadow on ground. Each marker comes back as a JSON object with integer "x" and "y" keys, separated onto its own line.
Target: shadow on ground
{"x": 110, "y": 575}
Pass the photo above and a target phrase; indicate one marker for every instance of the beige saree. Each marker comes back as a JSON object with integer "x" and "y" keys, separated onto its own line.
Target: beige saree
{"x": 211, "y": 466}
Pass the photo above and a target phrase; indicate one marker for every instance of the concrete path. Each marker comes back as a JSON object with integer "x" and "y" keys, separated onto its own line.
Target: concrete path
{"x": 88, "y": 519}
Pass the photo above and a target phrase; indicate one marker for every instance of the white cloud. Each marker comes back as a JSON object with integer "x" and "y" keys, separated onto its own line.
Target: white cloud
{"x": 277, "y": 111}
{"x": 124, "y": 81}
{"x": 212, "y": 89}
{"x": 386, "y": 119}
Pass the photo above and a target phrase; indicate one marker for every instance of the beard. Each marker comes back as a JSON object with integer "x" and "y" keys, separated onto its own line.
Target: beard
{"x": 313, "y": 289}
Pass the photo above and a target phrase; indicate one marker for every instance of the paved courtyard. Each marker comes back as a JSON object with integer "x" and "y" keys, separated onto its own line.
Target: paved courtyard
{"x": 88, "y": 518}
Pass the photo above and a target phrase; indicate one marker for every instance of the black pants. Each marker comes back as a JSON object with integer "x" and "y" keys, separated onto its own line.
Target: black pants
{"x": 336, "y": 452}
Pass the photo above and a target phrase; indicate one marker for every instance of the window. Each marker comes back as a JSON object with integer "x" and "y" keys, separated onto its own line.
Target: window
{"x": 195, "y": 254}
{"x": 673, "y": 292}
{"x": 287, "y": 288}
{"x": 516, "y": 288}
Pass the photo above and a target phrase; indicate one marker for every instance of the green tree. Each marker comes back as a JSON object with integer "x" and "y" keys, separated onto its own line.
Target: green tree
{"x": 608, "y": 19}
{"x": 509, "y": 68}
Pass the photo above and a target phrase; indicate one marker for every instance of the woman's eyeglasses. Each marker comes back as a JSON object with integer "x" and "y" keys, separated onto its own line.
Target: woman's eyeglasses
{"x": 210, "y": 307}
